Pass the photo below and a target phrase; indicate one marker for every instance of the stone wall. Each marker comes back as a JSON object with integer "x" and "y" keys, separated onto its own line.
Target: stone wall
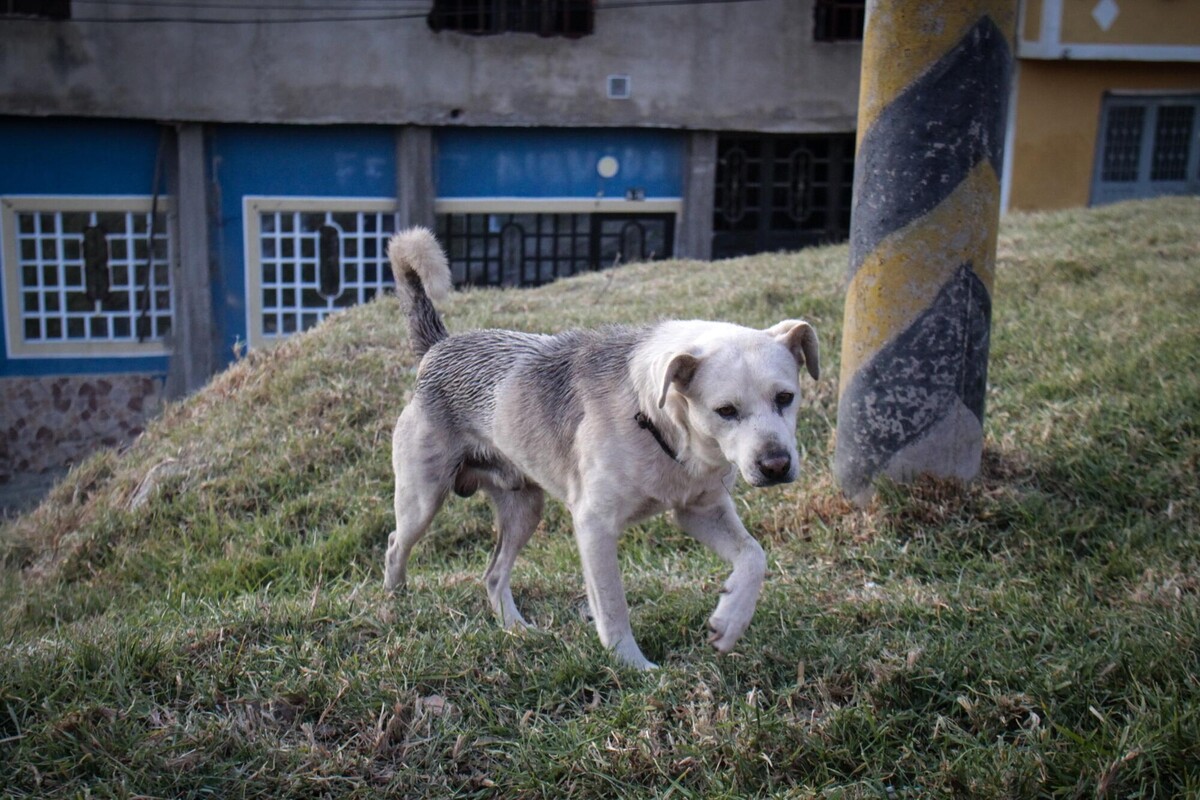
{"x": 52, "y": 422}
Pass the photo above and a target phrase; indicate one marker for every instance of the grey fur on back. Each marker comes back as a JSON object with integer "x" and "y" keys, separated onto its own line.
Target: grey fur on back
{"x": 551, "y": 374}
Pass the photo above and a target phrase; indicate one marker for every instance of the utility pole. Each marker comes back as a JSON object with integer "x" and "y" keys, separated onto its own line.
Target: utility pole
{"x": 931, "y": 124}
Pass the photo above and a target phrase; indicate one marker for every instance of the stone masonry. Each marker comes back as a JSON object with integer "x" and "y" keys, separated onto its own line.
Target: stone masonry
{"x": 51, "y": 422}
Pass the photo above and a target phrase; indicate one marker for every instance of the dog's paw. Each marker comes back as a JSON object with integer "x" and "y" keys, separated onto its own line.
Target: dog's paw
{"x": 394, "y": 573}
{"x": 728, "y": 623}
{"x": 513, "y": 622}
{"x": 721, "y": 636}
{"x": 629, "y": 654}
{"x": 644, "y": 664}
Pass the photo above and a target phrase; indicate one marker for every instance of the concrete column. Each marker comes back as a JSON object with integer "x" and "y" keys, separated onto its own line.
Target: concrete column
{"x": 931, "y": 125}
{"x": 414, "y": 176}
{"x": 699, "y": 190}
{"x": 193, "y": 359}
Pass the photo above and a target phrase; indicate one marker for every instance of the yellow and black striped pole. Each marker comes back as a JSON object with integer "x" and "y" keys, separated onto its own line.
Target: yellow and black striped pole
{"x": 931, "y": 124}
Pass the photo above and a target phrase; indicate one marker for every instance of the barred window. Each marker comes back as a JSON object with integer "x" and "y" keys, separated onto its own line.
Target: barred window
{"x": 1172, "y": 142}
{"x": 86, "y": 276}
{"x": 1147, "y": 146}
{"x": 528, "y": 249}
{"x": 781, "y": 192}
{"x": 1123, "y": 143}
{"x": 839, "y": 20}
{"x": 544, "y": 17}
{"x": 41, "y": 9}
{"x": 312, "y": 258}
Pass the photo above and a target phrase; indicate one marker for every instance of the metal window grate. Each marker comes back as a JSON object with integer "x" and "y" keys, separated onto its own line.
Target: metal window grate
{"x": 111, "y": 295}
{"x": 781, "y": 192}
{"x": 1147, "y": 147}
{"x": 314, "y": 263}
{"x": 515, "y": 249}
{"x": 543, "y": 17}
{"x": 1172, "y": 143}
{"x": 1122, "y": 143}
{"x": 839, "y": 20}
{"x": 43, "y": 9}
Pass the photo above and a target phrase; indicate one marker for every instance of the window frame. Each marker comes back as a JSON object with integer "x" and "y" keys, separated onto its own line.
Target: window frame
{"x": 566, "y": 18}
{"x": 17, "y": 347}
{"x": 1143, "y": 184}
{"x": 825, "y": 20}
{"x": 253, "y": 207}
{"x": 781, "y": 191}
{"x": 589, "y": 232}
{"x": 57, "y": 10}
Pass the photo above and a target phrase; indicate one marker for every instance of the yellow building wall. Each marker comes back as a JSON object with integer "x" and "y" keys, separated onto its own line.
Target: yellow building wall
{"x": 1057, "y": 118}
{"x": 1031, "y": 20}
{"x": 1164, "y": 22}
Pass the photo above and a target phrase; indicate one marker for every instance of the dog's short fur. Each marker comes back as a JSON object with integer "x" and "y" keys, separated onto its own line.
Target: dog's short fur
{"x": 618, "y": 423}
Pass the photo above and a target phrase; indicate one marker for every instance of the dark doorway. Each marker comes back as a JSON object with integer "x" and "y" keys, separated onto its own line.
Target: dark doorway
{"x": 781, "y": 192}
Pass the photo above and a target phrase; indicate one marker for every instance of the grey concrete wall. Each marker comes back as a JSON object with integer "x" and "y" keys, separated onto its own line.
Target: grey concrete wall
{"x": 720, "y": 66}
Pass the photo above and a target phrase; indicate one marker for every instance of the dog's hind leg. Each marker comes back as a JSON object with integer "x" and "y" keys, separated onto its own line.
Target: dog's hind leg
{"x": 517, "y": 515}
{"x": 424, "y": 468}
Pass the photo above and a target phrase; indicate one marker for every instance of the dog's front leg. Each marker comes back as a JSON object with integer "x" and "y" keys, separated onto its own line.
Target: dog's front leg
{"x": 597, "y": 535}
{"x": 718, "y": 527}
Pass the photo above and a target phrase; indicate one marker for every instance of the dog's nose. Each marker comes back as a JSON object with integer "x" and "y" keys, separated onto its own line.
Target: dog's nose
{"x": 775, "y": 466}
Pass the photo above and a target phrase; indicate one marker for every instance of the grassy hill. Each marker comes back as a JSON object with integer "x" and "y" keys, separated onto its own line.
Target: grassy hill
{"x": 202, "y": 614}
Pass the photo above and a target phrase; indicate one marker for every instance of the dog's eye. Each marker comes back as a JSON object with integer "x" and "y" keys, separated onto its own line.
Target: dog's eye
{"x": 727, "y": 412}
{"x": 784, "y": 399}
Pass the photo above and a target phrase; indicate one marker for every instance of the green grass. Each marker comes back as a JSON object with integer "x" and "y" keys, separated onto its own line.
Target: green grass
{"x": 202, "y": 614}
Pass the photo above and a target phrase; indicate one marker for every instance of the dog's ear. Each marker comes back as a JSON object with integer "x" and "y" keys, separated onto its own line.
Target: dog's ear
{"x": 799, "y": 337}
{"x": 680, "y": 371}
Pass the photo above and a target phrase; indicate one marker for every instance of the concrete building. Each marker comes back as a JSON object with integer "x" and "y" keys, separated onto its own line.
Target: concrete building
{"x": 184, "y": 179}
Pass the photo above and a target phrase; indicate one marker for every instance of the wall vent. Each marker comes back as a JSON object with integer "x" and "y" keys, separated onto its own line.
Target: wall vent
{"x": 618, "y": 87}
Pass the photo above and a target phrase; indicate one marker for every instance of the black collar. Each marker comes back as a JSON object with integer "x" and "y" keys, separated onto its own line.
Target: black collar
{"x": 645, "y": 424}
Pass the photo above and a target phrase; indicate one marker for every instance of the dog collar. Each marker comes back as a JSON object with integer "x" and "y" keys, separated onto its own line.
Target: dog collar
{"x": 645, "y": 424}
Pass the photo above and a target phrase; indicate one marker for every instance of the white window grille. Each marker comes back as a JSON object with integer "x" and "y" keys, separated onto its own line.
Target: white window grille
{"x": 82, "y": 278}
{"x": 309, "y": 258}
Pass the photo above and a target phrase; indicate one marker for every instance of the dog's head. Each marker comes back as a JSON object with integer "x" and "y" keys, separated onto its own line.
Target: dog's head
{"x": 740, "y": 390}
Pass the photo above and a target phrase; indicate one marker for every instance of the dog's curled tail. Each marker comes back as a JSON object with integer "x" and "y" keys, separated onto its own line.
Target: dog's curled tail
{"x": 422, "y": 275}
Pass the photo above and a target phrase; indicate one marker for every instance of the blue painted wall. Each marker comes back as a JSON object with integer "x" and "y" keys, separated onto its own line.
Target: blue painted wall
{"x": 77, "y": 157}
{"x": 548, "y": 163}
{"x": 82, "y": 157}
{"x": 285, "y": 161}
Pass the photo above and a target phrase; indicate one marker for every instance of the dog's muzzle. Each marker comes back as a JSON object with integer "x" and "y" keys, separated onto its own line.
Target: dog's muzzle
{"x": 774, "y": 466}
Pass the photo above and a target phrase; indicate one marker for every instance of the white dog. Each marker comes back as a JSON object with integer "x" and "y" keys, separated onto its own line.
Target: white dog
{"x": 618, "y": 423}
